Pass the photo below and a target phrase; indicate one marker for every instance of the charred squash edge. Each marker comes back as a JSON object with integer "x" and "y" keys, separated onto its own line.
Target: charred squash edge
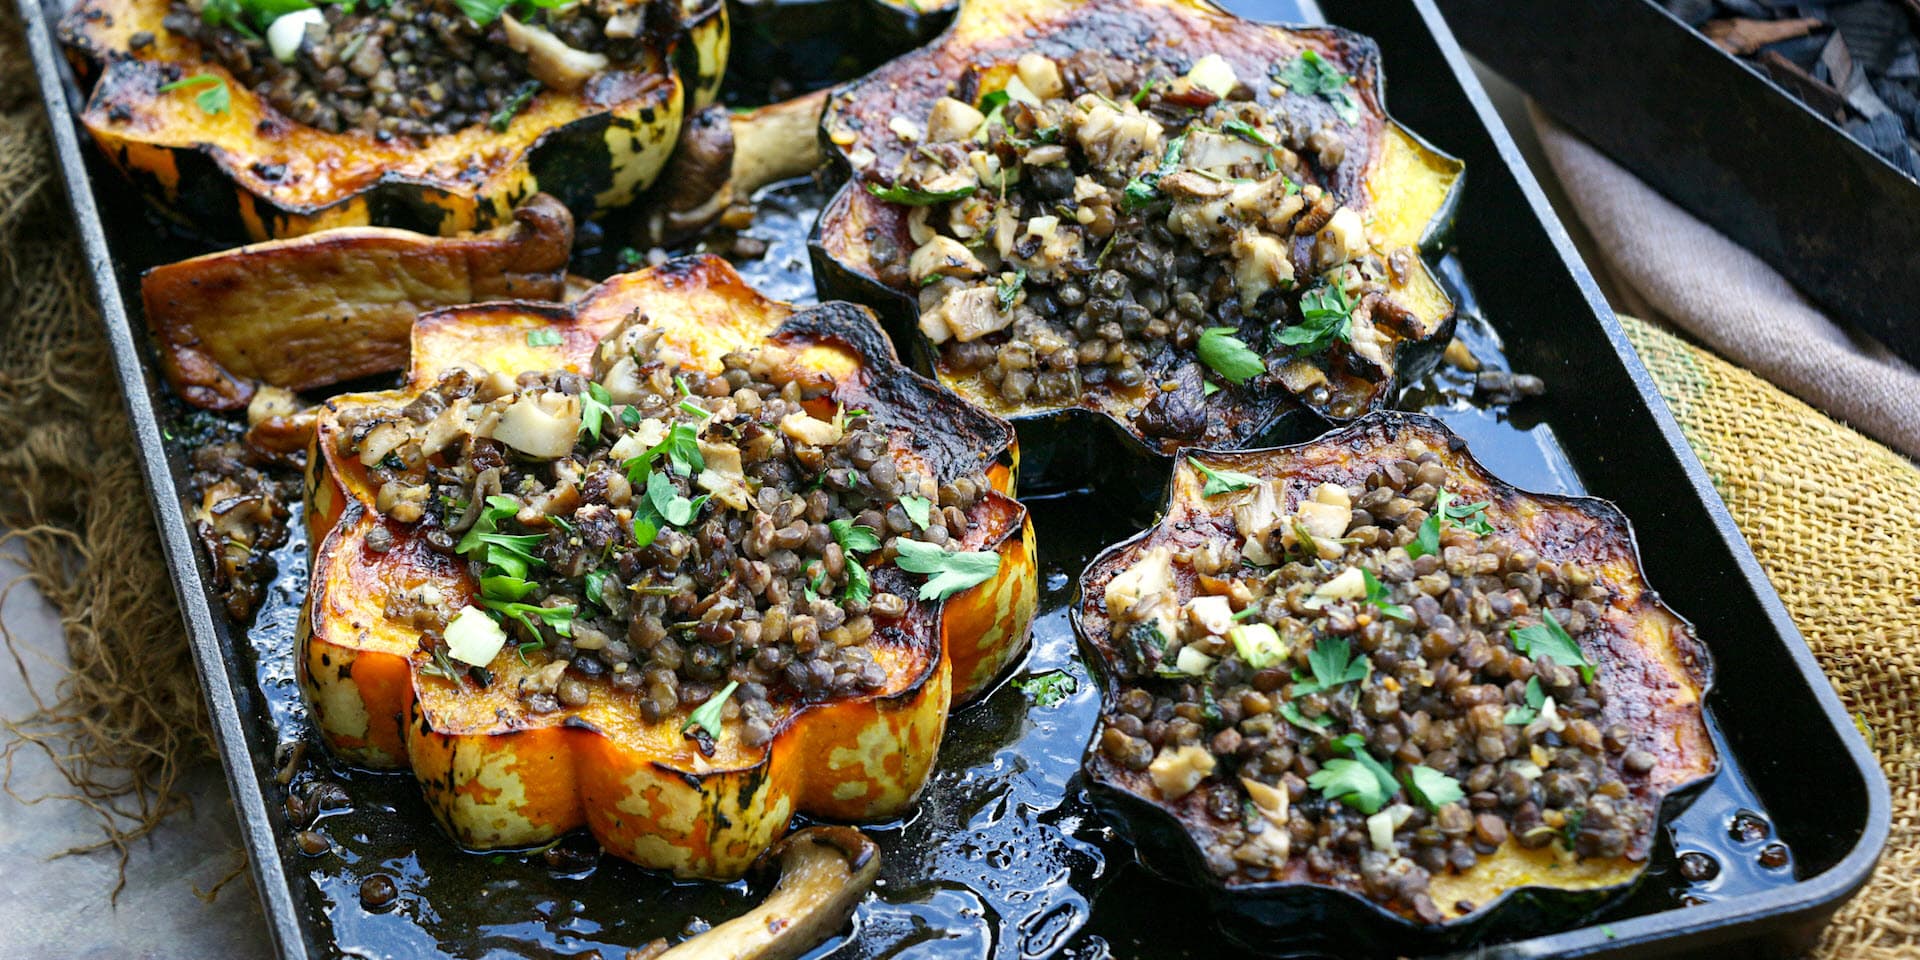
{"x": 731, "y": 810}
{"x": 1060, "y": 447}
{"x": 293, "y": 313}
{"x": 1168, "y": 848}
{"x": 245, "y": 172}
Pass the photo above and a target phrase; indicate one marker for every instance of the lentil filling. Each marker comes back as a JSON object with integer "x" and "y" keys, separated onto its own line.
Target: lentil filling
{"x": 411, "y": 68}
{"x": 715, "y": 542}
{"x": 1101, "y": 228}
{"x": 1383, "y": 687}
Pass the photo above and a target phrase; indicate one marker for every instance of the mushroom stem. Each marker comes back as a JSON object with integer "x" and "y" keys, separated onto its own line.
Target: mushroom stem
{"x": 723, "y": 158}
{"x": 824, "y": 871}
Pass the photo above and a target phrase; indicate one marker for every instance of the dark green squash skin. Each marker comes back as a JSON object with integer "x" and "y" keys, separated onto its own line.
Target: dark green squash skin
{"x": 1312, "y": 916}
{"x": 1074, "y": 447}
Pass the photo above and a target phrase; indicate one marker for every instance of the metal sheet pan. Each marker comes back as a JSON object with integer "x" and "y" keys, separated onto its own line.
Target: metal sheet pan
{"x": 1722, "y": 139}
{"x": 1601, "y": 429}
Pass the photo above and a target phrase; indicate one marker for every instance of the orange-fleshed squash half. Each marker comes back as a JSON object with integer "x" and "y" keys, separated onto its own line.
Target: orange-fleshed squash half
{"x": 1656, "y": 670}
{"x": 251, "y": 171}
{"x": 497, "y": 775}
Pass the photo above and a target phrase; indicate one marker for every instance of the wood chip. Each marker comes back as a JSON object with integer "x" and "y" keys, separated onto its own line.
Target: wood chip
{"x": 1742, "y": 37}
{"x": 1821, "y": 97}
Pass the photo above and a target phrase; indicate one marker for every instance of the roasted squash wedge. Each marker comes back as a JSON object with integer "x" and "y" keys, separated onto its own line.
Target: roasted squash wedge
{"x": 327, "y": 307}
{"x": 1370, "y": 637}
{"x": 1259, "y": 153}
{"x": 238, "y": 167}
{"x": 498, "y": 773}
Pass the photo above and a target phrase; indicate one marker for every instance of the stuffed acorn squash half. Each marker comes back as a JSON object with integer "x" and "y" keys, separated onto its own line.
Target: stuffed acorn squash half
{"x": 1202, "y": 229}
{"x": 1363, "y": 679}
{"x": 273, "y": 118}
{"x": 673, "y": 562}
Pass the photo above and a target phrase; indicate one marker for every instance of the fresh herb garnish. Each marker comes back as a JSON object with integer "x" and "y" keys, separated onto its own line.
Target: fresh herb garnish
{"x": 510, "y": 552}
{"x": 560, "y": 618}
{"x": 1221, "y": 481}
{"x": 852, "y": 537}
{"x": 1326, "y": 315}
{"x": 1378, "y": 596}
{"x": 595, "y": 405}
{"x": 213, "y": 100}
{"x": 503, "y": 587}
{"x": 1311, "y": 75}
{"x": 952, "y": 571}
{"x": 1333, "y": 663}
{"x": 544, "y": 337}
{"x": 1571, "y": 828}
{"x": 707, "y": 716}
{"x": 1228, "y": 355}
{"x": 918, "y": 509}
{"x": 1471, "y": 517}
{"x": 911, "y": 197}
{"x": 1144, "y": 189}
{"x": 1007, "y": 289}
{"x": 1549, "y": 639}
{"x": 859, "y": 585}
{"x": 1048, "y": 688}
{"x": 669, "y": 503}
{"x": 1362, "y": 782}
{"x": 681, "y": 446}
{"x": 1536, "y": 698}
{"x": 1291, "y": 713}
{"x": 1248, "y": 132}
{"x": 1433, "y": 788}
{"x": 597, "y": 585}
{"x": 522, "y": 95}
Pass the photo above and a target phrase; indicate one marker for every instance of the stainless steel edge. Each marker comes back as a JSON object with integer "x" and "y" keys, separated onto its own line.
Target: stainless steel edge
{"x": 269, "y": 876}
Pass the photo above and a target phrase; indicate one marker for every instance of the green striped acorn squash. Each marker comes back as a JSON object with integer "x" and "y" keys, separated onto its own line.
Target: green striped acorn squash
{"x": 1403, "y": 189}
{"x": 247, "y": 170}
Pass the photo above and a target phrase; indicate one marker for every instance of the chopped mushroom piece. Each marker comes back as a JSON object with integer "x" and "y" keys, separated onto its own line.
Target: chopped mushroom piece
{"x": 549, "y": 58}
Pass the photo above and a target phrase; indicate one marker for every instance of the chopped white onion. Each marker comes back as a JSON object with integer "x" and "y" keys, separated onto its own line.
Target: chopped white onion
{"x": 286, "y": 32}
{"x": 473, "y": 637}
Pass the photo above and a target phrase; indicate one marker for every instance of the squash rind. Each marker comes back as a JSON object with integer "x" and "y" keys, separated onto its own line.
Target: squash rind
{"x": 496, "y": 777}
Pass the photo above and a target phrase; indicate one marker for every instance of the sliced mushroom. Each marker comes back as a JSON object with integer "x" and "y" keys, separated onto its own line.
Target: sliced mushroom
{"x": 549, "y": 58}
{"x": 824, "y": 872}
{"x": 723, "y": 157}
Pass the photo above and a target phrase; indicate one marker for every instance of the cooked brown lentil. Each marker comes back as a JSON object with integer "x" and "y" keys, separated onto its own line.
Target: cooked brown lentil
{"x": 1315, "y": 650}
{"x": 762, "y": 579}
{"x": 413, "y": 68}
{"x": 1081, "y": 237}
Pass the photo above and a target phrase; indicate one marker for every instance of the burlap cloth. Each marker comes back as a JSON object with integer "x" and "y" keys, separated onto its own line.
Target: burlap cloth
{"x": 1812, "y": 496}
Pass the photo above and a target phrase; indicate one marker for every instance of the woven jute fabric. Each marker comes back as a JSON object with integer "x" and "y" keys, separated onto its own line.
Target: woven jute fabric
{"x": 1828, "y": 511}
{"x": 1830, "y": 514}
{"x": 127, "y": 718}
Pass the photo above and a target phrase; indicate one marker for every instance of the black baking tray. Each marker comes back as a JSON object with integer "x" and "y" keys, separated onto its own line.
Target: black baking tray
{"x": 1722, "y": 139}
{"x": 1004, "y": 856}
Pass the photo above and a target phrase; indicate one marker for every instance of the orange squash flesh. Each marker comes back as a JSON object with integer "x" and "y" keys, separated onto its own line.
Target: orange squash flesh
{"x": 497, "y": 775}
{"x": 251, "y": 171}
